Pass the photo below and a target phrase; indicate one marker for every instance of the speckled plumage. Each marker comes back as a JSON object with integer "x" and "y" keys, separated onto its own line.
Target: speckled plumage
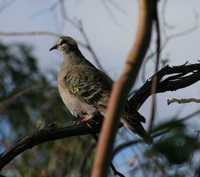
{"x": 85, "y": 90}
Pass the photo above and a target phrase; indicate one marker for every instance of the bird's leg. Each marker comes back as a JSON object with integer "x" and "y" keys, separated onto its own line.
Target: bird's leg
{"x": 85, "y": 119}
{"x": 76, "y": 122}
{"x": 81, "y": 118}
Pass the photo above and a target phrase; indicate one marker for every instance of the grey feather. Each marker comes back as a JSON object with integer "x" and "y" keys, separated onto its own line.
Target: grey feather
{"x": 85, "y": 90}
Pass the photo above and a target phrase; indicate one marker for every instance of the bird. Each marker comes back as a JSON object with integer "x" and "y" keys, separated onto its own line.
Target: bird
{"x": 85, "y": 90}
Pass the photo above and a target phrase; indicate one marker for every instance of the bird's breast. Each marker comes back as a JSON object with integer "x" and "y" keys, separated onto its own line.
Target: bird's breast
{"x": 73, "y": 103}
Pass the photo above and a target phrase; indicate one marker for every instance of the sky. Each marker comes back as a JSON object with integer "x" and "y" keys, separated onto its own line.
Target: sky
{"x": 111, "y": 33}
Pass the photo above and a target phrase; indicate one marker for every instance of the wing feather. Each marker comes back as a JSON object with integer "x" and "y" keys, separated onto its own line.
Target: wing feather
{"x": 89, "y": 84}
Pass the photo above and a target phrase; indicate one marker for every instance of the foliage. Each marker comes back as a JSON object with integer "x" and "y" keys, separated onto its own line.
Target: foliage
{"x": 173, "y": 153}
{"x": 29, "y": 101}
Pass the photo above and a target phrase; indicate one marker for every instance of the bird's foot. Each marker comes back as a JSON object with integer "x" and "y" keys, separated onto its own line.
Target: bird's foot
{"x": 81, "y": 120}
{"x": 84, "y": 119}
{"x": 76, "y": 122}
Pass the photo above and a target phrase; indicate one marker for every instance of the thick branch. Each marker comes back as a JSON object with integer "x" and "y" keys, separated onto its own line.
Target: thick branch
{"x": 49, "y": 133}
{"x": 170, "y": 78}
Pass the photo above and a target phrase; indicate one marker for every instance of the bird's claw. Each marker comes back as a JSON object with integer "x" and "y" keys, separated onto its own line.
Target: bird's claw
{"x": 76, "y": 122}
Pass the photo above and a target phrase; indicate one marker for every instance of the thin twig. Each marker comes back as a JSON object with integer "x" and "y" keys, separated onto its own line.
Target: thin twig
{"x": 11, "y": 99}
{"x": 116, "y": 172}
{"x": 125, "y": 145}
{"x": 6, "y": 5}
{"x": 84, "y": 159}
{"x": 38, "y": 33}
{"x": 168, "y": 38}
{"x": 89, "y": 47}
{"x": 77, "y": 24}
{"x": 155, "y": 79}
{"x": 29, "y": 33}
{"x": 183, "y": 100}
{"x": 117, "y": 6}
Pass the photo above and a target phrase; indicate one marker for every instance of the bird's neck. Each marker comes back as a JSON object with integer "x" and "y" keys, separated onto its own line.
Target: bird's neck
{"x": 72, "y": 58}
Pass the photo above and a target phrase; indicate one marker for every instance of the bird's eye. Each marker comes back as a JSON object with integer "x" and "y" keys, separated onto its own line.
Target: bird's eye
{"x": 62, "y": 42}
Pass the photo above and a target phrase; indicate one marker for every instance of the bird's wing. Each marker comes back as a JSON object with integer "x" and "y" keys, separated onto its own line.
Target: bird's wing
{"x": 94, "y": 87}
{"x": 88, "y": 84}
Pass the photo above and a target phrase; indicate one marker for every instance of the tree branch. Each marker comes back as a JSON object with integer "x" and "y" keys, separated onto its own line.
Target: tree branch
{"x": 170, "y": 78}
{"x": 49, "y": 133}
{"x": 125, "y": 145}
{"x": 77, "y": 24}
{"x": 122, "y": 87}
{"x": 38, "y": 33}
{"x": 30, "y": 33}
{"x": 155, "y": 79}
{"x": 183, "y": 100}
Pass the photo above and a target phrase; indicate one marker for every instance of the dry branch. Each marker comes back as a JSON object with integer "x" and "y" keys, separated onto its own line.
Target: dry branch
{"x": 122, "y": 87}
{"x": 49, "y": 133}
{"x": 30, "y": 33}
{"x": 154, "y": 83}
{"x": 77, "y": 24}
{"x": 183, "y": 100}
{"x": 170, "y": 78}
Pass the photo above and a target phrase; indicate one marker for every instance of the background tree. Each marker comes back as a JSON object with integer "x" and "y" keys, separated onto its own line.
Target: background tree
{"x": 29, "y": 103}
{"x": 25, "y": 107}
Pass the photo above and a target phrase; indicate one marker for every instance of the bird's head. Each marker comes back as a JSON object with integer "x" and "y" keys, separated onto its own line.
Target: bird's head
{"x": 65, "y": 44}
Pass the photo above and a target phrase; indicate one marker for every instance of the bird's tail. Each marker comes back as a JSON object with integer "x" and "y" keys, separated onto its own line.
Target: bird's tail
{"x": 136, "y": 127}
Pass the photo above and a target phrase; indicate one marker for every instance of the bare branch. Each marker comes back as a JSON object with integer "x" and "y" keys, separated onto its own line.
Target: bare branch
{"x": 49, "y": 133}
{"x": 84, "y": 159}
{"x": 122, "y": 87}
{"x": 38, "y": 33}
{"x": 77, "y": 24}
{"x": 30, "y": 33}
{"x": 169, "y": 37}
{"x": 163, "y": 13}
{"x": 117, "y": 6}
{"x": 109, "y": 11}
{"x": 12, "y": 98}
{"x": 155, "y": 79}
{"x": 183, "y": 100}
{"x": 169, "y": 79}
{"x": 116, "y": 172}
{"x": 126, "y": 145}
{"x": 89, "y": 46}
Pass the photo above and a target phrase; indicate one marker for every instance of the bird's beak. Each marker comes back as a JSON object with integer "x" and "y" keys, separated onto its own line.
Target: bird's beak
{"x": 53, "y": 48}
